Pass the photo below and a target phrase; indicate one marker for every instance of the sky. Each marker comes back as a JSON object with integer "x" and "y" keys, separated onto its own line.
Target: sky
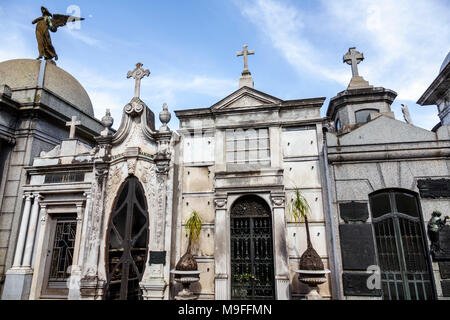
{"x": 190, "y": 48}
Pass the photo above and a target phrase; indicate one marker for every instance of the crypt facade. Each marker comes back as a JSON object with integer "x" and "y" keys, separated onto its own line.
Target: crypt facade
{"x": 101, "y": 214}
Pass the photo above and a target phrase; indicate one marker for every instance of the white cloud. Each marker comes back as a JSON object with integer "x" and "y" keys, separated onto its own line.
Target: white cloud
{"x": 77, "y": 34}
{"x": 282, "y": 24}
{"x": 404, "y": 41}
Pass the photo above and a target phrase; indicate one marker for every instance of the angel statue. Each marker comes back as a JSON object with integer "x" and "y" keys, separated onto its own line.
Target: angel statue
{"x": 49, "y": 22}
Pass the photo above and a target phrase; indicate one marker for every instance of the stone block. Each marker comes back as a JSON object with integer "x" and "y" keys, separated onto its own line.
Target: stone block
{"x": 8, "y": 205}
{"x": 203, "y": 205}
{"x": 4, "y": 238}
{"x": 314, "y": 198}
{"x": 304, "y": 174}
{"x": 17, "y": 286}
{"x": 296, "y": 239}
{"x": 11, "y": 188}
{"x": 356, "y": 190}
{"x": 198, "y": 148}
{"x": 206, "y": 283}
{"x": 17, "y": 157}
{"x": 205, "y": 245}
{"x": 6, "y": 221}
{"x": 198, "y": 179}
{"x": 299, "y": 143}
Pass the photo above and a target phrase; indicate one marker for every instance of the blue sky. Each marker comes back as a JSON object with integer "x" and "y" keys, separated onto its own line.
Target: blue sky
{"x": 190, "y": 48}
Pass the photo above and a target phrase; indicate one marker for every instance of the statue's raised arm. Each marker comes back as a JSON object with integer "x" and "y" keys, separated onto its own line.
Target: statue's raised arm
{"x": 49, "y": 22}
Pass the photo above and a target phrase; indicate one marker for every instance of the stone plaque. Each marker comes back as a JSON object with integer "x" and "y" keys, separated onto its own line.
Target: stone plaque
{"x": 157, "y": 257}
{"x": 444, "y": 270}
{"x": 355, "y": 284}
{"x": 444, "y": 243}
{"x": 357, "y": 246}
{"x": 445, "y": 285}
{"x": 354, "y": 211}
{"x": 436, "y": 188}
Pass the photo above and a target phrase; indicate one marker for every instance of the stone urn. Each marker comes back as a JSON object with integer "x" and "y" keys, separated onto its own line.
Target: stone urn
{"x": 312, "y": 272}
{"x": 164, "y": 117}
{"x": 186, "y": 272}
{"x": 186, "y": 277}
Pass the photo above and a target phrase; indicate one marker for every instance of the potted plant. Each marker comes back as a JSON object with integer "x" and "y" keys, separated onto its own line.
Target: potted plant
{"x": 243, "y": 280}
{"x": 186, "y": 271}
{"x": 311, "y": 269}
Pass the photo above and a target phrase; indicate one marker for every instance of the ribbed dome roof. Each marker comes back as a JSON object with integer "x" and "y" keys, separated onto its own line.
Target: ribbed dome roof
{"x": 24, "y": 73}
{"x": 445, "y": 63}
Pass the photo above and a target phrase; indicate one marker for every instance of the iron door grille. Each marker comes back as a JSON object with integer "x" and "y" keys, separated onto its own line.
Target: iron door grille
{"x": 405, "y": 270}
{"x": 251, "y": 250}
{"x": 127, "y": 243}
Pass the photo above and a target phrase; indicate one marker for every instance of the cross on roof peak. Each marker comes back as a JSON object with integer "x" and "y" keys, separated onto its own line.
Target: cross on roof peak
{"x": 72, "y": 124}
{"x": 245, "y": 52}
{"x": 353, "y": 57}
{"x": 138, "y": 73}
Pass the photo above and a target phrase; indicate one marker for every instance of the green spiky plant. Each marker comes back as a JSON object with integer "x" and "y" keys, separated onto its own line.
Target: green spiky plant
{"x": 193, "y": 228}
{"x": 300, "y": 209}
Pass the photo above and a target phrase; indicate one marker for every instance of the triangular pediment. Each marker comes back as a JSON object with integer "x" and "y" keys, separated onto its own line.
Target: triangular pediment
{"x": 245, "y": 97}
{"x": 386, "y": 130}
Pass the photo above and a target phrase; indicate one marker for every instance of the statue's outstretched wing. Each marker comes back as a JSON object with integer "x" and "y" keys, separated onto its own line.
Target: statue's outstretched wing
{"x": 59, "y": 20}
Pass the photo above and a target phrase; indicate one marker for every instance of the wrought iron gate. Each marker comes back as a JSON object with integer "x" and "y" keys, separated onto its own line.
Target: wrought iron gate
{"x": 127, "y": 243}
{"x": 402, "y": 255}
{"x": 252, "y": 266}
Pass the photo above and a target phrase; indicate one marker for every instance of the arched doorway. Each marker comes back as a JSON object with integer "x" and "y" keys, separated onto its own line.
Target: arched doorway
{"x": 252, "y": 265}
{"x": 401, "y": 246}
{"x": 127, "y": 243}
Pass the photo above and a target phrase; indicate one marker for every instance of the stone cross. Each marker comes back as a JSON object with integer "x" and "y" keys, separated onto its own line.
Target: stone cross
{"x": 138, "y": 73}
{"x": 353, "y": 57}
{"x": 245, "y": 52}
{"x": 72, "y": 124}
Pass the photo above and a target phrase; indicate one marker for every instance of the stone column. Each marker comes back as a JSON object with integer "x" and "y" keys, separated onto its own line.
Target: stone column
{"x": 91, "y": 287}
{"x": 18, "y": 279}
{"x": 280, "y": 247}
{"x": 154, "y": 286}
{"x": 23, "y": 231}
{"x": 42, "y": 240}
{"x": 221, "y": 250}
{"x": 85, "y": 223}
{"x": 31, "y": 231}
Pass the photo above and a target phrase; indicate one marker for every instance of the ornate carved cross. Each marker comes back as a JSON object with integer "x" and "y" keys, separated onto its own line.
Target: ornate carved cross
{"x": 353, "y": 57}
{"x": 138, "y": 73}
{"x": 245, "y": 52}
{"x": 72, "y": 124}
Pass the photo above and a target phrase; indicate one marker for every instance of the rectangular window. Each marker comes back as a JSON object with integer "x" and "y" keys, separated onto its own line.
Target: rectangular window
{"x": 248, "y": 147}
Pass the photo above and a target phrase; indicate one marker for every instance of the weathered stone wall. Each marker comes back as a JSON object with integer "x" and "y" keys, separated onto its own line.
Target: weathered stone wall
{"x": 300, "y": 154}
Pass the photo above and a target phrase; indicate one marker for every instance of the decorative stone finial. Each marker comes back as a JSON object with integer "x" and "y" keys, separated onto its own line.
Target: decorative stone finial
{"x": 353, "y": 58}
{"x": 138, "y": 73}
{"x": 107, "y": 122}
{"x": 164, "y": 117}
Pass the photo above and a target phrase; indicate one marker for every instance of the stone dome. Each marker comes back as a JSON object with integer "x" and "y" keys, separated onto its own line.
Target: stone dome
{"x": 24, "y": 73}
{"x": 445, "y": 63}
